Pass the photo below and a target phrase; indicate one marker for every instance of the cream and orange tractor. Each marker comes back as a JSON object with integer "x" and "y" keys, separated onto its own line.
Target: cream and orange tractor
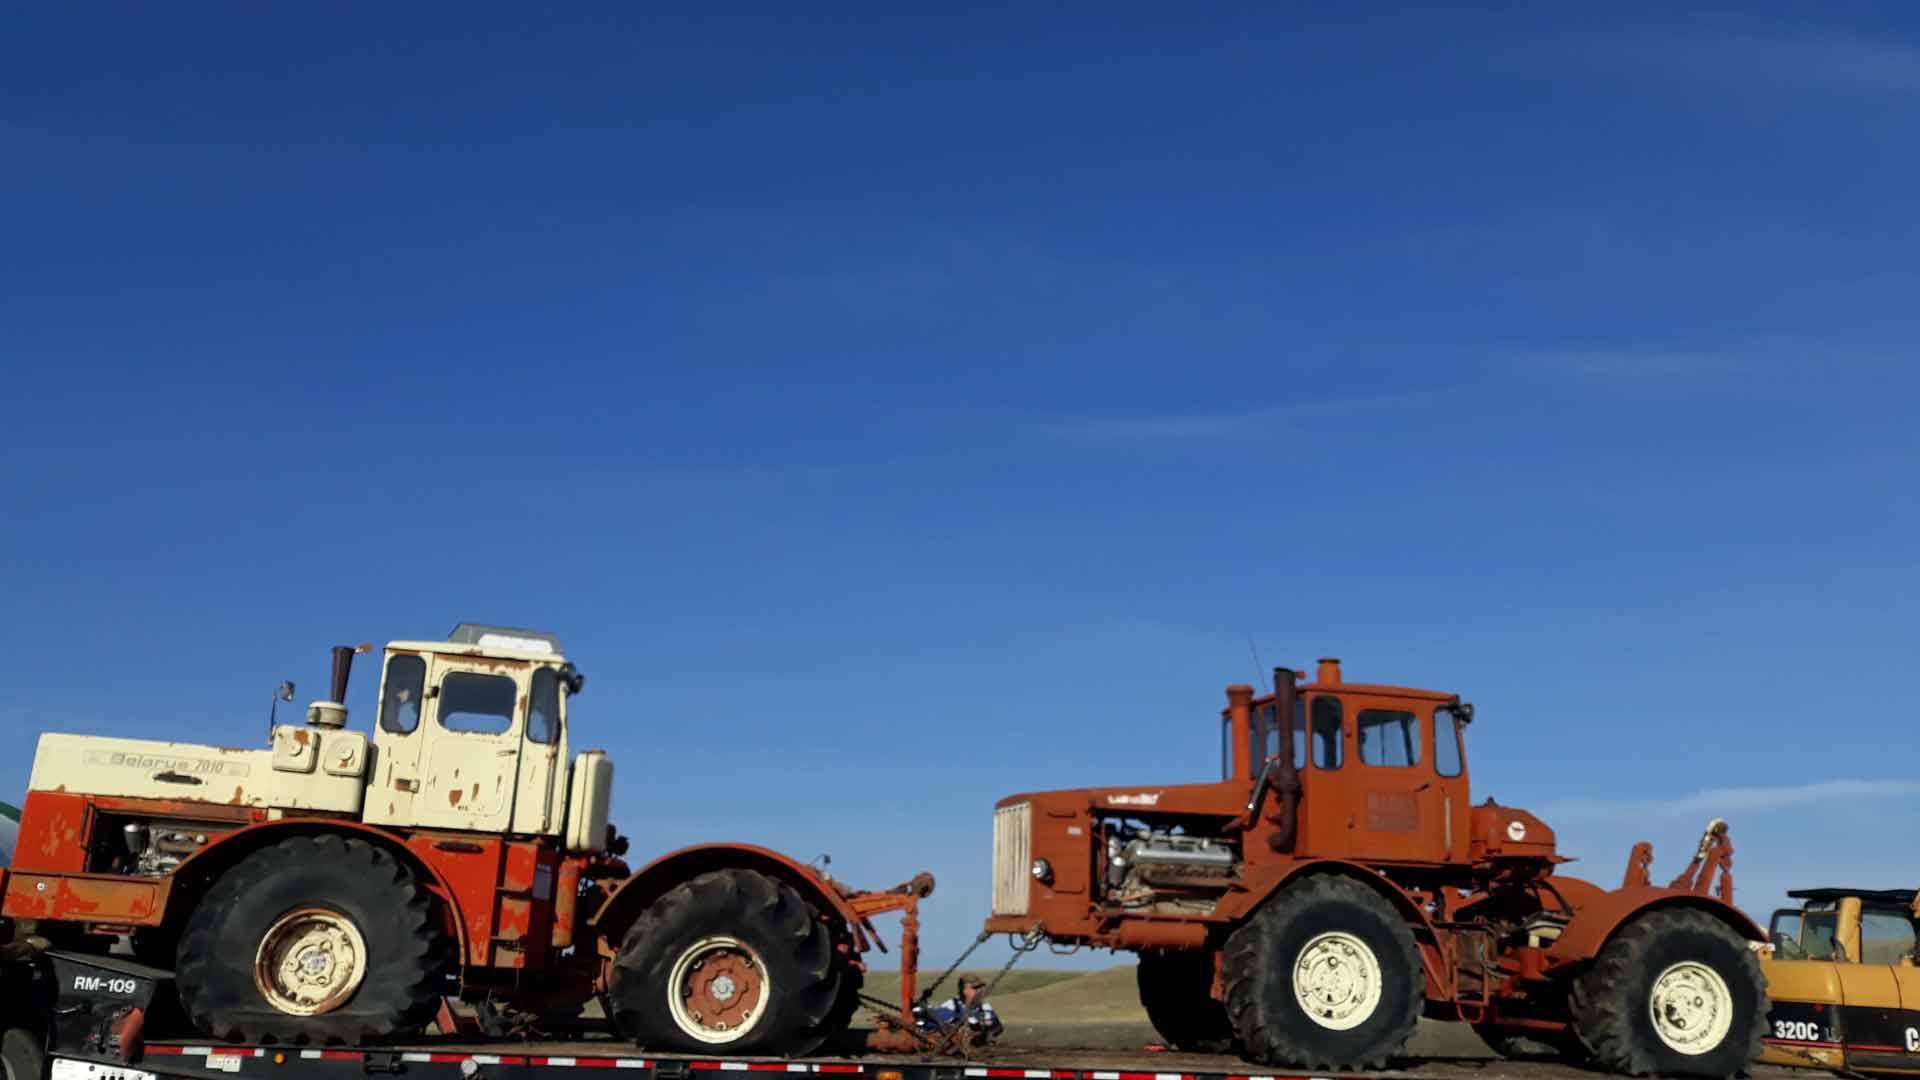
{"x": 338, "y": 888}
{"x": 1337, "y": 883}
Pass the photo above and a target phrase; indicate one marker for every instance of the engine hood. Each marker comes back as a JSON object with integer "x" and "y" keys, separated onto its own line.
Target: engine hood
{"x": 1222, "y": 800}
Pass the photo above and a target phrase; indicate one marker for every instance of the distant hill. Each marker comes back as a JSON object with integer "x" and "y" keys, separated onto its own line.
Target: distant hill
{"x": 1100, "y": 1010}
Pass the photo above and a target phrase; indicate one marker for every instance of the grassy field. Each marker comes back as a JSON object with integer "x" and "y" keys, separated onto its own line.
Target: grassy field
{"x": 1100, "y": 1010}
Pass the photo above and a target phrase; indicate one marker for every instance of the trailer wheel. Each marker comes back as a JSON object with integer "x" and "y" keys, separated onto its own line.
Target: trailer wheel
{"x": 22, "y": 1056}
{"x": 1675, "y": 993}
{"x": 1176, "y": 990}
{"x": 314, "y": 939}
{"x": 732, "y": 958}
{"x": 1325, "y": 975}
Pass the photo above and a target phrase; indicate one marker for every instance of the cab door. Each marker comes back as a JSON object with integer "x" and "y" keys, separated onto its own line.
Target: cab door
{"x": 1451, "y": 787}
{"x": 470, "y": 757}
{"x": 1395, "y": 808}
{"x": 539, "y": 808}
{"x": 1883, "y": 1029}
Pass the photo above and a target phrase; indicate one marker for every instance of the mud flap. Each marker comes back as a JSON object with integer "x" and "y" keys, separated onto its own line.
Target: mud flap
{"x": 101, "y": 1006}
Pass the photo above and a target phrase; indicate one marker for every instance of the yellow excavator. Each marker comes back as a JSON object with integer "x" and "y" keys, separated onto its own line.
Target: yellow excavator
{"x": 1844, "y": 975}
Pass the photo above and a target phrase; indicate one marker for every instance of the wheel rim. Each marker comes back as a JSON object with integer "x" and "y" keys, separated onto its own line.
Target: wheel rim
{"x": 718, "y": 990}
{"x": 1337, "y": 981}
{"x": 310, "y": 962}
{"x": 1692, "y": 1007}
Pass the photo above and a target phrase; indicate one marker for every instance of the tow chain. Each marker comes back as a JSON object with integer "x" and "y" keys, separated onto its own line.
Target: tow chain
{"x": 927, "y": 994}
{"x": 951, "y": 1035}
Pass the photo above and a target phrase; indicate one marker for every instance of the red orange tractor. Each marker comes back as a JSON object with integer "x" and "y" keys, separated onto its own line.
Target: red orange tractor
{"x": 337, "y": 887}
{"x": 1337, "y": 883}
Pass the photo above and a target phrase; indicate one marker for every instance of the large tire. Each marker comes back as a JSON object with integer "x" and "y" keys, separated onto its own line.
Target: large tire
{"x": 360, "y": 953}
{"x": 846, "y": 1005}
{"x": 1332, "y": 943}
{"x": 1675, "y": 993}
{"x": 1176, "y": 990}
{"x": 21, "y": 1056}
{"x": 732, "y": 959}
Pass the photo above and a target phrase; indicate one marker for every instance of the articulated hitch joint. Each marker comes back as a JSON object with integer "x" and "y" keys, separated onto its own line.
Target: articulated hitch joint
{"x": 1713, "y": 854}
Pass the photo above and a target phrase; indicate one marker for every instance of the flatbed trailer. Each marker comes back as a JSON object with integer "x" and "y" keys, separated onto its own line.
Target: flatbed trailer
{"x": 551, "y": 1061}
{"x": 92, "y": 1016}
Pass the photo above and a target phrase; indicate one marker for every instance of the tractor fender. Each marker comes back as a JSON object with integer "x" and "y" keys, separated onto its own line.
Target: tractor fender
{"x": 197, "y": 872}
{"x": 1602, "y": 916}
{"x": 652, "y": 881}
{"x": 1260, "y": 887}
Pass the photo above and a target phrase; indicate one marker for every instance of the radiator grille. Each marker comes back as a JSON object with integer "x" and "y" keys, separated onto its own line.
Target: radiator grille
{"x": 1012, "y": 861}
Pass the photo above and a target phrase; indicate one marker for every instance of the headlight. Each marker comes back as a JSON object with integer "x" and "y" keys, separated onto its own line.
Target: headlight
{"x": 1042, "y": 871}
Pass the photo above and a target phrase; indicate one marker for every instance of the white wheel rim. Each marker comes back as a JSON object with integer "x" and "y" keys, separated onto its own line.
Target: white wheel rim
{"x": 1336, "y": 981}
{"x": 1692, "y": 1008}
{"x": 310, "y": 961}
{"x": 718, "y": 990}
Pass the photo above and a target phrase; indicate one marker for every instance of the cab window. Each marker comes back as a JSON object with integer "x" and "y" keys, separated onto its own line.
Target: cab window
{"x": 1447, "y": 733}
{"x": 1886, "y": 936}
{"x": 1818, "y": 925}
{"x": 476, "y": 703}
{"x": 1388, "y": 737}
{"x": 1785, "y": 935}
{"x": 400, "y": 702}
{"x": 1326, "y": 716}
{"x": 543, "y": 710}
{"x": 1272, "y": 749}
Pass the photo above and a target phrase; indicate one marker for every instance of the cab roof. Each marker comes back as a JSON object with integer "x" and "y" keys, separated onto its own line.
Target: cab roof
{"x": 1901, "y": 897}
{"x": 479, "y": 639}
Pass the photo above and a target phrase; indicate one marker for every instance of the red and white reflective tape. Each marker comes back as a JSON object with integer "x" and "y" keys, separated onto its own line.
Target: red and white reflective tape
{"x": 227, "y": 1058}
{"x": 766, "y": 1066}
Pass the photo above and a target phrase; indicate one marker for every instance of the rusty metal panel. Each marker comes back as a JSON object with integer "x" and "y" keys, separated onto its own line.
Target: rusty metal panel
{"x": 522, "y": 865}
{"x": 53, "y": 832}
{"x": 89, "y": 898}
{"x": 566, "y": 896}
{"x": 471, "y": 866}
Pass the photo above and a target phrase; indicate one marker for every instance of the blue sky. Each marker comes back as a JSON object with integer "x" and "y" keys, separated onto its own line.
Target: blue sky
{"x": 894, "y": 411}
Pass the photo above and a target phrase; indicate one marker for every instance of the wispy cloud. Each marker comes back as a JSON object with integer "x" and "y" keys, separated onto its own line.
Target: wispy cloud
{"x": 1631, "y": 363}
{"x": 1728, "y": 801}
{"x": 1848, "y": 60}
{"x": 1224, "y": 424}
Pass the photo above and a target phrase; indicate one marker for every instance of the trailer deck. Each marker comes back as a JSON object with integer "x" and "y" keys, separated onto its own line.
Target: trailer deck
{"x": 544, "y": 1061}
{"x": 100, "y": 1015}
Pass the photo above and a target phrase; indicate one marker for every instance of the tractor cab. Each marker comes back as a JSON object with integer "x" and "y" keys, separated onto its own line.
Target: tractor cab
{"x": 1381, "y": 769}
{"x": 471, "y": 735}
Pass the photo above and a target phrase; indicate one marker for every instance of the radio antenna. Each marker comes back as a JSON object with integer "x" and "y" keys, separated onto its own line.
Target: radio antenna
{"x": 1257, "y": 669}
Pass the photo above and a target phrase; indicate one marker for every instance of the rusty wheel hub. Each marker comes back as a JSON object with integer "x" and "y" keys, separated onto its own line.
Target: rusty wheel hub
{"x": 309, "y": 962}
{"x": 718, "y": 990}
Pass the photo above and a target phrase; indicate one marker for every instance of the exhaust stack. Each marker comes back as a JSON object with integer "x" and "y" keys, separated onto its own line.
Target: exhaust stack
{"x": 1286, "y": 781}
{"x": 333, "y": 712}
